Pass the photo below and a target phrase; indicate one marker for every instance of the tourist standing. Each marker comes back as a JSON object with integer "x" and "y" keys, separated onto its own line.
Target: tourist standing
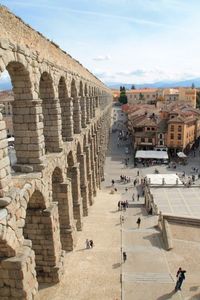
{"x": 138, "y": 222}
{"x": 124, "y": 256}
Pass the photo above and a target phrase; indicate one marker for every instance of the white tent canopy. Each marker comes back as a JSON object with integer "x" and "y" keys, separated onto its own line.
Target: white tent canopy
{"x": 151, "y": 154}
{"x": 181, "y": 155}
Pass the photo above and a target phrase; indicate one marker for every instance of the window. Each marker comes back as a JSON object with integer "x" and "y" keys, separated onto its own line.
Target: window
{"x": 152, "y": 128}
{"x": 160, "y": 136}
{"x": 171, "y": 136}
{"x": 172, "y": 127}
{"x": 179, "y": 128}
{"x": 179, "y": 137}
{"x": 142, "y": 140}
{"x": 149, "y": 140}
{"x": 148, "y": 128}
{"x": 161, "y": 143}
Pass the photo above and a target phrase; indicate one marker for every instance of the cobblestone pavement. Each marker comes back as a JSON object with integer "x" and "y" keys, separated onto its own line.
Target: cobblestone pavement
{"x": 93, "y": 273}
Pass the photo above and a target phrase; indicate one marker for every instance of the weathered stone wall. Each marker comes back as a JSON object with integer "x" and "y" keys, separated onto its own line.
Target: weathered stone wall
{"x": 61, "y": 120}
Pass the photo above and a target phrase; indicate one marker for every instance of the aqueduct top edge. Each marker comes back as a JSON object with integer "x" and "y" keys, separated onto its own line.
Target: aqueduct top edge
{"x": 21, "y": 34}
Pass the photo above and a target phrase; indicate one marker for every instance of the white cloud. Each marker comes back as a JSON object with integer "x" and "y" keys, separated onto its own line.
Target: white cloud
{"x": 102, "y": 58}
{"x": 5, "y": 77}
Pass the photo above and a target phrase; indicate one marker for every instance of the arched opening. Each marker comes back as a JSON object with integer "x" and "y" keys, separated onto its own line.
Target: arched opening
{"x": 66, "y": 111}
{"x": 51, "y": 111}
{"x": 6, "y": 101}
{"x": 73, "y": 175}
{"x": 15, "y": 98}
{"x": 41, "y": 228}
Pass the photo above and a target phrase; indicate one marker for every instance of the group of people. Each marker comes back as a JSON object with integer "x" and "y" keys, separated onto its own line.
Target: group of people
{"x": 125, "y": 179}
{"x": 122, "y": 205}
{"x": 89, "y": 244}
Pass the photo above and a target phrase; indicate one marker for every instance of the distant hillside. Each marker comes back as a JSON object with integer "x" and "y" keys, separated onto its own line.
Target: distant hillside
{"x": 160, "y": 84}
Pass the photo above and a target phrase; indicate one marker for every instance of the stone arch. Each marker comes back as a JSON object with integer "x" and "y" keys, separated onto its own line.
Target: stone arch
{"x": 42, "y": 228}
{"x": 76, "y": 107}
{"x": 22, "y": 123}
{"x": 51, "y": 113}
{"x": 73, "y": 175}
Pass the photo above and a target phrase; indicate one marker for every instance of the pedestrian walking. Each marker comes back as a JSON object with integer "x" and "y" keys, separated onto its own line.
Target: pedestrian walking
{"x": 87, "y": 243}
{"x": 138, "y": 173}
{"x": 126, "y": 203}
{"x": 180, "y": 277}
{"x": 135, "y": 182}
{"x": 122, "y": 219}
{"x": 133, "y": 197}
{"x": 113, "y": 182}
{"x": 126, "y": 189}
{"x": 138, "y": 197}
{"x": 124, "y": 256}
{"x": 138, "y": 222}
{"x": 119, "y": 205}
{"x": 91, "y": 244}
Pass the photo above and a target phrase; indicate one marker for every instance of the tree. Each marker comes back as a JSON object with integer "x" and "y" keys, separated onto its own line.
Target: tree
{"x": 141, "y": 96}
{"x": 133, "y": 87}
{"x": 123, "y": 97}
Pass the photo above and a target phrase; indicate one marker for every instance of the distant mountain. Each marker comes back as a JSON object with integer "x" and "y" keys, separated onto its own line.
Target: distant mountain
{"x": 159, "y": 84}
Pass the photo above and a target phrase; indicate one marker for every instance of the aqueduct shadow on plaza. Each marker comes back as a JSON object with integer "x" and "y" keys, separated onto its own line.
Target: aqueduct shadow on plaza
{"x": 61, "y": 120}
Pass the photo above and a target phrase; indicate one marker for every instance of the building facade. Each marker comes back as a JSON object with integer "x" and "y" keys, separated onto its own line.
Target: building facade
{"x": 149, "y": 96}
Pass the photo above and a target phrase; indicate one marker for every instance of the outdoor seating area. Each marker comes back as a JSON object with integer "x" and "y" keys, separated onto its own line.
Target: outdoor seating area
{"x": 151, "y": 157}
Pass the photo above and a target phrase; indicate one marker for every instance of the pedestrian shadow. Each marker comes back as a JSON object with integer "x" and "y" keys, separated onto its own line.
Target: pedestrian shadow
{"x": 117, "y": 265}
{"x": 117, "y": 224}
{"x": 114, "y": 211}
{"x": 166, "y": 296}
{"x": 82, "y": 249}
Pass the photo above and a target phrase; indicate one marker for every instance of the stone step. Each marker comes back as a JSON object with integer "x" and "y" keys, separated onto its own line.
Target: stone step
{"x": 147, "y": 277}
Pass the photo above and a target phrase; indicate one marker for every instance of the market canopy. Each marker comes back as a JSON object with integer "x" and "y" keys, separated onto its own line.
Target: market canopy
{"x": 151, "y": 154}
{"x": 181, "y": 155}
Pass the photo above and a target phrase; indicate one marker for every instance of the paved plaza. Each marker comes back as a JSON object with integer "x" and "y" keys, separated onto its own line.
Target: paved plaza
{"x": 179, "y": 201}
{"x": 149, "y": 272}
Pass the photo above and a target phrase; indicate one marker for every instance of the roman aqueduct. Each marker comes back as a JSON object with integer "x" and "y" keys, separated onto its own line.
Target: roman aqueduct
{"x": 61, "y": 119}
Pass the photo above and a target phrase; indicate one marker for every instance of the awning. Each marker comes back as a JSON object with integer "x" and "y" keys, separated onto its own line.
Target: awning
{"x": 181, "y": 155}
{"x": 151, "y": 154}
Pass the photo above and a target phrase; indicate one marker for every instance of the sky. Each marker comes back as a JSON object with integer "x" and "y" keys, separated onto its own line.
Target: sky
{"x": 127, "y": 41}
